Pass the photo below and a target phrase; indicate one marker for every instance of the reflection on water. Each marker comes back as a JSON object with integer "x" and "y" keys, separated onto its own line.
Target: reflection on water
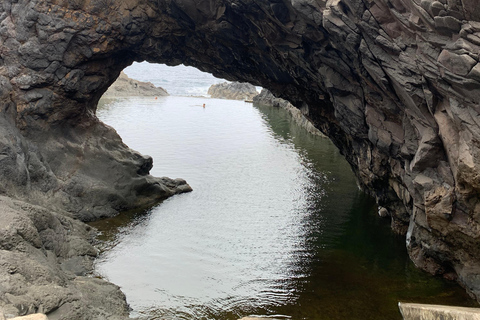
{"x": 275, "y": 224}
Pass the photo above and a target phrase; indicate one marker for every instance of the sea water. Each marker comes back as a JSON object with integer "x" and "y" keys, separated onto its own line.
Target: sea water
{"x": 275, "y": 225}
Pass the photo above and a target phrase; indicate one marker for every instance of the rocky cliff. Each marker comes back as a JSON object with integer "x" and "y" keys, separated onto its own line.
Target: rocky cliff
{"x": 394, "y": 83}
{"x": 233, "y": 91}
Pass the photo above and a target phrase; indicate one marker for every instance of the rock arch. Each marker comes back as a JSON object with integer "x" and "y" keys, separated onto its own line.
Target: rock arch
{"x": 394, "y": 83}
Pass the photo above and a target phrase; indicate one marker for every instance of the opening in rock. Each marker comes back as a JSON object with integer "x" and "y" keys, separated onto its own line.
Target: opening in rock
{"x": 396, "y": 92}
{"x": 275, "y": 225}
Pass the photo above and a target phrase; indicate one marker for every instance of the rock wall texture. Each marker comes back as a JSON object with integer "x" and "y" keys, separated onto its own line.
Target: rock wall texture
{"x": 45, "y": 257}
{"x": 233, "y": 91}
{"x": 394, "y": 83}
{"x": 126, "y": 87}
{"x": 266, "y": 98}
{"x": 54, "y": 151}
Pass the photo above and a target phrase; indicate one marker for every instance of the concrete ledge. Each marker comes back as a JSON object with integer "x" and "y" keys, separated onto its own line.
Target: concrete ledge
{"x": 416, "y": 311}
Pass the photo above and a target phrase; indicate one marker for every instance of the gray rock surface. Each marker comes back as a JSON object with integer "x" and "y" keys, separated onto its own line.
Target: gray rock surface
{"x": 37, "y": 248}
{"x": 266, "y": 98}
{"x": 127, "y": 87}
{"x": 395, "y": 84}
{"x": 233, "y": 91}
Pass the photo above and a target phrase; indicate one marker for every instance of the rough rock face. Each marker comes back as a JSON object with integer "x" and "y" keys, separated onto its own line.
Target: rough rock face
{"x": 54, "y": 151}
{"x": 44, "y": 259}
{"x": 266, "y": 98}
{"x": 125, "y": 87}
{"x": 83, "y": 168}
{"x": 394, "y": 83}
{"x": 233, "y": 91}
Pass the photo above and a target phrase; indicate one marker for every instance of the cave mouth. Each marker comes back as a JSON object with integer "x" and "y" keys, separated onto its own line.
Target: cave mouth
{"x": 394, "y": 86}
{"x": 275, "y": 223}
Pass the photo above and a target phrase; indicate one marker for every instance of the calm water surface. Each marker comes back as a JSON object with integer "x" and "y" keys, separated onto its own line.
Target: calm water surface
{"x": 275, "y": 224}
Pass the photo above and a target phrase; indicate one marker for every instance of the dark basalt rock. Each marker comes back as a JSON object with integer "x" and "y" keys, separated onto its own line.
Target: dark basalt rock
{"x": 394, "y": 83}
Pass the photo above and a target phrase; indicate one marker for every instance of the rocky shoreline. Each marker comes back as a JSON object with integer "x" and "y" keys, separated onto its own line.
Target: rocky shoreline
{"x": 248, "y": 92}
{"x": 46, "y": 263}
{"x": 266, "y": 98}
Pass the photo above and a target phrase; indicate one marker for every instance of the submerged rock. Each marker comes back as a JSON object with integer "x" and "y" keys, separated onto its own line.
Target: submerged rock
{"x": 233, "y": 91}
{"x": 125, "y": 86}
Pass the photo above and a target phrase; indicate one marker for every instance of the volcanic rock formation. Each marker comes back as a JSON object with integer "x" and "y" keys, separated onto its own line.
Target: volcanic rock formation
{"x": 233, "y": 91}
{"x": 394, "y": 83}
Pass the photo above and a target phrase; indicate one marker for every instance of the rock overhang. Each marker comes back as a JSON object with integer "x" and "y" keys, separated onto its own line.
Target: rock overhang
{"x": 394, "y": 84}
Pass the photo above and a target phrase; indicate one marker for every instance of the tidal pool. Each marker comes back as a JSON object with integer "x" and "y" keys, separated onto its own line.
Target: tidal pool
{"x": 275, "y": 226}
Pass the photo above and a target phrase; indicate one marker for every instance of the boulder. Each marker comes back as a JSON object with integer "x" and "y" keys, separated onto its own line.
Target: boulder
{"x": 233, "y": 91}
